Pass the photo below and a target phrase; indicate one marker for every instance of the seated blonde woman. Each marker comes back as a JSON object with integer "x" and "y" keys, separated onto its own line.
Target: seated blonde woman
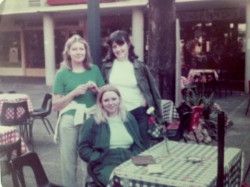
{"x": 110, "y": 137}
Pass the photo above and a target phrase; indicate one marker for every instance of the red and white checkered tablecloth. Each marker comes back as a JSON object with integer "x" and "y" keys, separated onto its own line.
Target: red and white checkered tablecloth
{"x": 194, "y": 72}
{"x": 15, "y": 98}
{"x": 10, "y": 135}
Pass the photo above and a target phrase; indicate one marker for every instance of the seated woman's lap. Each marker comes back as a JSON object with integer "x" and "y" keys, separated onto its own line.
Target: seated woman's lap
{"x": 109, "y": 162}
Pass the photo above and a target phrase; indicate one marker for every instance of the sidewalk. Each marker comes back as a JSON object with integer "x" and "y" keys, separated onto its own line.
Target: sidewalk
{"x": 236, "y": 136}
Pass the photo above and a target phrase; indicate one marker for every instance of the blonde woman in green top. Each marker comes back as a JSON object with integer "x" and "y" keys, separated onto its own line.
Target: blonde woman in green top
{"x": 74, "y": 97}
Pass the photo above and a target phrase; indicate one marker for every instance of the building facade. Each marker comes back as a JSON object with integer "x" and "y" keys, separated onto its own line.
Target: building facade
{"x": 33, "y": 32}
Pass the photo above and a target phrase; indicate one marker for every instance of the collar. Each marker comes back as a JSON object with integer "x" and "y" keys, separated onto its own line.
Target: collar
{"x": 110, "y": 64}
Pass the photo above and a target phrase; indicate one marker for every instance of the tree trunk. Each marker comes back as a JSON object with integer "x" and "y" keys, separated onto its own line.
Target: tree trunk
{"x": 161, "y": 45}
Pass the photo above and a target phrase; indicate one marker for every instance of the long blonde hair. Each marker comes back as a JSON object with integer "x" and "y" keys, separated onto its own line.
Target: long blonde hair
{"x": 101, "y": 115}
{"x": 66, "y": 57}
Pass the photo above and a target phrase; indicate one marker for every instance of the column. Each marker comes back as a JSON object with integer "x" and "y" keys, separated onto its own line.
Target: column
{"x": 49, "y": 48}
{"x": 138, "y": 32}
{"x": 247, "y": 60}
{"x": 23, "y": 50}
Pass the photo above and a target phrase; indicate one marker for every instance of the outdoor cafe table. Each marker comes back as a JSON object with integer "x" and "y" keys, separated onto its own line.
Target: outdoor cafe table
{"x": 198, "y": 72}
{"x": 15, "y": 97}
{"x": 178, "y": 171}
{"x": 10, "y": 135}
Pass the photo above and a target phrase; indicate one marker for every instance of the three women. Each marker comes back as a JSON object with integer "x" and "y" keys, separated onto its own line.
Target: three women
{"x": 75, "y": 89}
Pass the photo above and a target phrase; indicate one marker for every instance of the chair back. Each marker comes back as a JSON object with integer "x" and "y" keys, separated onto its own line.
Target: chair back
{"x": 167, "y": 110}
{"x": 195, "y": 117}
{"x": 208, "y": 77}
{"x": 8, "y": 149}
{"x": 47, "y": 103}
{"x": 32, "y": 160}
{"x": 184, "y": 112}
{"x": 223, "y": 74}
{"x": 93, "y": 176}
{"x": 14, "y": 113}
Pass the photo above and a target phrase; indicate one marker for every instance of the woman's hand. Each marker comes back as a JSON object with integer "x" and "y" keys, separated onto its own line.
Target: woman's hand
{"x": 92, "y": 87}
{"x": 61, "y": 101}
{"x": 80, "y": 90}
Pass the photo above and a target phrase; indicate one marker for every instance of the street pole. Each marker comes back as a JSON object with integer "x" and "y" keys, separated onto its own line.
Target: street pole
{"x": 94, "y": 33}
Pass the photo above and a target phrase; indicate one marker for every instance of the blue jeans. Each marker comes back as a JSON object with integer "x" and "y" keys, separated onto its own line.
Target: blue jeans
{"x": 142, "y": 119}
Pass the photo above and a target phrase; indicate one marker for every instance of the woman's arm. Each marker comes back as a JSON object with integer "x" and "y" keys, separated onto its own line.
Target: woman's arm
{"x": 61, "y": 101}
{"x": 86, "y": 143}
{"x": 155, "y": 94}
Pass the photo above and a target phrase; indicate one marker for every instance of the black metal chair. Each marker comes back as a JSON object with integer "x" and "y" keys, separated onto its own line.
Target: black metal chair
{"x": 95, "y": 182}
{"x": 43, "y": 112}
{"x": 8, "y": 150}
{"x": 184, "y": 112}
{"x": 208, "y": 80}
{"x": 32, "y": 160}
{"x": 223, "y": 81}
{"x": 17, "y": 114}
{"x": 177, "y": 131}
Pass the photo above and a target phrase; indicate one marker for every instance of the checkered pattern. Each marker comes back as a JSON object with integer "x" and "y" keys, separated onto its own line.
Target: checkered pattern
{"x": 15, "y": 98}
{"x": 178, "y": 171}
{"x": 155, "y": 131}
{"x": 10, "y": 135}
{"x": 10, "y": 113}
{"x": 168, "y": 111}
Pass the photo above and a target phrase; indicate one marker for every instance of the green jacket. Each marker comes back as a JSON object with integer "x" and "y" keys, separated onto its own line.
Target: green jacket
{"x": 145, "y": 82}
{"x": 94, "y": 142}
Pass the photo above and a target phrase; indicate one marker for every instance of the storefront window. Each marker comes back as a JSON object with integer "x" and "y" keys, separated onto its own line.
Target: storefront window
{"x": 10, "y": 50}
{"x": 34, "y": 49}
{"x": 60, "y": 39}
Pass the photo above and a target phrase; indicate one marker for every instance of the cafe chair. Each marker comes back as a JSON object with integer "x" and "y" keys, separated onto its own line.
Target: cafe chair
{"x": 17, "y": 114}
{"x": 43, "y": 112}
{"x": 95, "y": 182}
{"x": 8, "y": 150}
{"x": 167, "y": 110}
{"x": 208, "y": 80}
{"x": 223, "y": 81}
{"x": 31, "y": 160}
{"x": 178, "y": 129}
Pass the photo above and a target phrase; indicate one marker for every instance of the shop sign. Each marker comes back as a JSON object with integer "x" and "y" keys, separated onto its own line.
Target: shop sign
{"x": 209, "y": 15}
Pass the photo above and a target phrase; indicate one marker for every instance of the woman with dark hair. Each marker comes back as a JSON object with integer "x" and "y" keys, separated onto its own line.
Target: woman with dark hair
{"x": 74, "y": 97}
{"x": 110, "y": 137}
{"x": 134, "y": 81}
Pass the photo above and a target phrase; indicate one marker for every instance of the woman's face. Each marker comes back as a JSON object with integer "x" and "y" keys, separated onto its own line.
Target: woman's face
{"x": 121, "y": 51}
{"x": 77, "y": 52}
{"x": 110, "y": 102}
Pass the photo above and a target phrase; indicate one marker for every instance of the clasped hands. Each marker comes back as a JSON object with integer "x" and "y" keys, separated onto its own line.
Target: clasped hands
{"x": 81, "y": 89}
